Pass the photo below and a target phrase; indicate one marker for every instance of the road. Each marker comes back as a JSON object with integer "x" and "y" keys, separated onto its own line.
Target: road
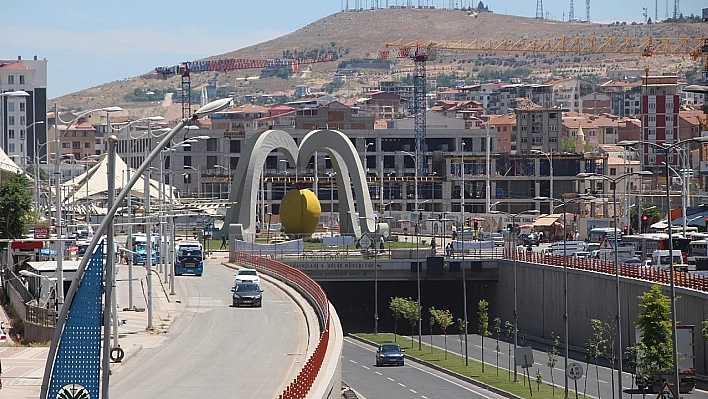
{"x": 410, "y": 381}
{"x": 360, "y": 374}
{"x": 215, "y": 349}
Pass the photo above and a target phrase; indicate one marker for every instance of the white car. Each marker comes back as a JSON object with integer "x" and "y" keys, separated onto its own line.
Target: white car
{"x": 498, "y": 239}
{"x": 247, "y": 276}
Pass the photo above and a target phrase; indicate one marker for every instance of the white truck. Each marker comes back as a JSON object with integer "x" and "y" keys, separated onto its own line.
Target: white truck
{"x": 660, "y": 259}
{"x": 686, "y": 364}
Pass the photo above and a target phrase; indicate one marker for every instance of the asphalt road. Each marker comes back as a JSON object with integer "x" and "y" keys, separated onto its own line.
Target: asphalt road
{"x": 217, "y": 350}
{"x": 410, "y": 381}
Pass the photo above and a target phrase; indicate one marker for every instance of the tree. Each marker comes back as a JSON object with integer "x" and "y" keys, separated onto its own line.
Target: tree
{"x": 568, "y": 145}
{"x": 653, "y": 322}
{"x": 497, "y": 329}
{"x": 704, "y": 330}
{"x": 444, "y": 320}
{"x": 594, "y": 348}
{"x": 461, "y": 330}
{"x": 15, "y": 207}
{"x": 411, "y": 311}
{"x": 432, "y": 324}
{"x": 483, "y": 323}
{"x": 397, "y": 306}
{"x": 553, "y": 358}
{"x": 509, "y": 333}
{"x": 539, "y": 379}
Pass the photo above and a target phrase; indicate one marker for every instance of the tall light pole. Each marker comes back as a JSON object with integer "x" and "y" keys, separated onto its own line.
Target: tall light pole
{"x": 331, "y": 202}
{"x": 550, "y": 164}
{"x": 462, "y": 243}
{"x": 417, "y": 254}
{"x": 488, "y": 188}
{"x": 618, "y": 231}
{"x": 57, "y": 186}
{"x": 376, "y": 276}
{"x": 516, "y": 314}
{"x": 565, "y": 280}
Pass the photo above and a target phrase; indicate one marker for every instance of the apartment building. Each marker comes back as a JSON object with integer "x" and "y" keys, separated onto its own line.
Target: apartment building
{"x": 22, "y": 136}
{"x": 660, "y": 118}
{"x": 625, "y": 96}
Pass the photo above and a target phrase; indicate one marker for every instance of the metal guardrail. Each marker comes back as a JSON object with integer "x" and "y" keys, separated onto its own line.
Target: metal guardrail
{"x": 681, "y": 279}
{"x": 298, "y": 388}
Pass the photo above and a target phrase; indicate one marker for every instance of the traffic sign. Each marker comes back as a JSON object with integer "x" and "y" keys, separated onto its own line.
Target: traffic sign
{"x": 666, "y": 392}
{"x": 574, "y": 371}
{"x": 365, "y": 241}
{"x": 606, "y": 244}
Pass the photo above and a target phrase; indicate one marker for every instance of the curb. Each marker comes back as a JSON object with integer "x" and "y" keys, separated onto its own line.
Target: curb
{"x": 448, "y": 372}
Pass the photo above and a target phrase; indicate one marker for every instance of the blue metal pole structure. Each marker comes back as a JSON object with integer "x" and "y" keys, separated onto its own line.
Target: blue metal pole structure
{"x": 209, "y": 108}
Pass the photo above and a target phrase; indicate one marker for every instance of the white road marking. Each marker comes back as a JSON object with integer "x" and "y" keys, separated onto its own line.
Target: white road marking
{"x": 353, "y": 361}
{"x": 401, "y": 385}
{"x": 391, "y": 379}
{"x": 366, "y": 367}
{"x": 413, "y": 391}
{"x": 378, "y": 373}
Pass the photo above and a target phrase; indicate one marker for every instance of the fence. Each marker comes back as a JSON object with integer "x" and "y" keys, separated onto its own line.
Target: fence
{"x": 650, "y": 273}
{"x": 302, "y": 384}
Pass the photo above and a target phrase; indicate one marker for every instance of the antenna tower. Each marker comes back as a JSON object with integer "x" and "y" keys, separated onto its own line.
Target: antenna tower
{"x": 667, "y": 10}
{"x": 539, "y": 9}
{"x": 571, "y": 13}
{"x": 676, "y": 10}
{"x": 587, "y": 10}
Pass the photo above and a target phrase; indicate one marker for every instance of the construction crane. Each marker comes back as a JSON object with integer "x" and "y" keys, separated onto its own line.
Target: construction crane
{"x": 185, "y": 69}
{"x": 421, "y": 51}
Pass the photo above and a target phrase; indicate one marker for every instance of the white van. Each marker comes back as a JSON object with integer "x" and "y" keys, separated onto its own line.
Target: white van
{"x": 660, "y": 258}
{"x": 569, "y": 248}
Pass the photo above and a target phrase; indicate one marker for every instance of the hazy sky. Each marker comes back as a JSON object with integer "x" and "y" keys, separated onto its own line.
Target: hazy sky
{"x": 88, "y": 43}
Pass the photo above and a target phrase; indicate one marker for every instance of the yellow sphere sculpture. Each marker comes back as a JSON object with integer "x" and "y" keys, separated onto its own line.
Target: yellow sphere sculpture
{"x": 300, "y": 212}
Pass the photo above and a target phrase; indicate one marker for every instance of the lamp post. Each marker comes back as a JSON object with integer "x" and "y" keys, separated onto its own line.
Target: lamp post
{"x": 516, "y": 315}
{"x": 24, "y": 147}
{"x": 684, "y": 183}
{"x": 331, "y": 202}
{"x": 548, "y": 156}
{"x": 417, "y": 252}
{"x": 666, "y": 150}
{"x": 376, "y": 277}
{"x": 57, "y": 186}
{"x": 52, "y": 281}
{"x": 565, "y": 281}
{"x": 618, "y": 231}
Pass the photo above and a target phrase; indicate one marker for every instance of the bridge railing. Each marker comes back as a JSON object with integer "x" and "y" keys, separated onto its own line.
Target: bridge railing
{"x": 649, "y": 273}
{"x": 304, "y": 381}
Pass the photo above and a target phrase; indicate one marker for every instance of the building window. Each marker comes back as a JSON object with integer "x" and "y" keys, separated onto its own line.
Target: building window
{"x": 212, "y": 145}
{"x": 22, "y": 121}
{"x": 613, "y": 171}
{"x": 87, "y": 145}
{"x": 84, "y": 134}
{"x": 652, "y": 132}
{"x": 65, "y": 145}
{"x": 11, "y": 147}
{"x": 187, "y": 160}
{"x": 10, "y": 120}
{"x": 11, "y": 107}
{"x": 524, "y": 139}
{"x": 22, "y": 79}
{"x": 11, "y": 79}
{"x": 76, "y": 145}
{"x": 22, "y": 134}
{"x": 22, "y": 107}
{"x": 652, "y": 118}
{"x": 552, "y": 139}
{"x": 11, "y": 134}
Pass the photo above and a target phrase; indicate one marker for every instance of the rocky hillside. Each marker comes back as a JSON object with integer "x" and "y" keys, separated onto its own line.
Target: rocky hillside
{"x": 355, "y": 34}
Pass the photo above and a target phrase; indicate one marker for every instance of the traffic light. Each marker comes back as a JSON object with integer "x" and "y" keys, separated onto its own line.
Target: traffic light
{"x": 645, "y": 218}
{"x": 476, "y": 224}
{"x": 625, "y": 230}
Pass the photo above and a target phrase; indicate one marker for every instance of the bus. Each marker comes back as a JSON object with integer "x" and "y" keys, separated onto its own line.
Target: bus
{"x": 600, "y": 233}
{"x": 698, "y": 256}
{"x": 646, "y": 243}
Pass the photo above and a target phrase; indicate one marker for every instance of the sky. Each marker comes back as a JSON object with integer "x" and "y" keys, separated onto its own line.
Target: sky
{"x": 89, "y": 43}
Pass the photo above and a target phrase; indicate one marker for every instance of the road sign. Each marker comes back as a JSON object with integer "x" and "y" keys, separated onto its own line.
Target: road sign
{"x": 41, "y": 232}
{"x": 365, "y": 241}
{"x": 606, "y": 244}
{"x": 574, "y": 371}
{"x": 666, "y": 392}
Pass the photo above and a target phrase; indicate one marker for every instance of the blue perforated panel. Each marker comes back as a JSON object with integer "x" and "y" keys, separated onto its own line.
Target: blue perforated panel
{"x": 78, "y": 357}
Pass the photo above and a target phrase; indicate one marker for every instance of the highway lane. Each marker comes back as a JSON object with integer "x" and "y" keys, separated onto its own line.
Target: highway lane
{"x": 410, "y": 381}
{"x": 219, "y": 350}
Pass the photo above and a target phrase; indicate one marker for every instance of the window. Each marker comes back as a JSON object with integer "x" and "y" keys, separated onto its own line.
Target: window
{"x": 10, "y": 107}
{"x": 84, "y": 134}
{"x": 552, "y": 128}
{"x": 22, "y": 121}
{"x": 536, "y": 140}
{"x": 613, "y": 171}
{"x": 553, "y": 139}
{"x": 65, "y": 145}
{"x": 76, "y": 145}
{"x": 652, "y": 105}
{"x": 11, "y": 147}
{"x": 211, "y": 161}
{"x": 652, "y": 118}
{"x": 652, "y": 132}
{"x": 11, "y": 79}
{"x": 187, "y": 160}
{"x": 22, "y": 79}
{"x": 22, "y": 107}
{"x": 22, "y": 134}
{"x": 524, "y": 139}
{"x": 10, "y": 120}
{"x": 87, "y": 145}
{"x": 212, "y": 145}
{"x": 11, "y": 134}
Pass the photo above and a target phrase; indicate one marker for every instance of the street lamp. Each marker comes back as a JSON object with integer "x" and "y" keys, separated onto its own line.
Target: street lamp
{"x": 331, "y": 202}
{"x": 565, "y": 279}
{"x": 666, "y": 149}
{"x": 51, "y": 280}
{"x": 376, "y": 278}
{"x": 516, "y": 315}
{"x": 548, "y": 156}
{"x": 57, "y": 186}
{"x": 417, "y": 251}
{"x": 617, "y": 232}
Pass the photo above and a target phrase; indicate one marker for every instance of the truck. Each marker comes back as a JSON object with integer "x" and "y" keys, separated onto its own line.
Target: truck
{"x": 686, "y": 364}
{"x": 138, "y": 245}
{"x": 189, "y": 258}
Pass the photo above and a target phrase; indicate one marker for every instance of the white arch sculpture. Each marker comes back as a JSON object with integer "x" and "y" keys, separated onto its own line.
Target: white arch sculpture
{"x": 241, "y": 216}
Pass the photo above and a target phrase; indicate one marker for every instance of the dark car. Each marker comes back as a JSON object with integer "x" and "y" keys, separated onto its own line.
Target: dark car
{"x": 247, "y": 294}
{"x": 530, "y": 239}
{"x": 389, "y": 354}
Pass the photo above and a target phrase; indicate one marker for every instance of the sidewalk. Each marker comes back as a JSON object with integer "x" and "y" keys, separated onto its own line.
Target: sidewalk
{"x": 23, "y": 367}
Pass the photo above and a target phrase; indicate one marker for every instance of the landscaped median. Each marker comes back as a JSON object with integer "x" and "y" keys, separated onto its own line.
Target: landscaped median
{"x": 496, "y": 379}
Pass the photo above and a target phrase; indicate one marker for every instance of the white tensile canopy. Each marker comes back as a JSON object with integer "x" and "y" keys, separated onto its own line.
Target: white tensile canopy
{"x": 7, "y": 164}
{"x": 95, "y": 182}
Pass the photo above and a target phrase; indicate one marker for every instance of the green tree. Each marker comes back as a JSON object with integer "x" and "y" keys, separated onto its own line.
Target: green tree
{"x": 497, "y": 330}
{"x": 704, "y": 330}
{"x": 411, "y": 311}
{"x": 568, "y": 145}
{"x": 553, "y": 358}
{"x": 397, "y": 306}
{"x": 15, "y": 207}
{"x": 444, "y": 320}
{"x": 539, "y": 379}
{"x": 461, "y": 330}
{"x": 653, "y": 322}
{"x": 432, "y": 324}
{"x": 594, "y": 348}
{"x": 483, "y": 323}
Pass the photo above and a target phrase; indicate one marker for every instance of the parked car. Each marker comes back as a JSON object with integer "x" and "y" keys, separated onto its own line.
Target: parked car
{"x": 247, "y": 294}
{"x": 582, "y": 254}
{"x": 247, "y": 276}
{"x": 389, "y": 353}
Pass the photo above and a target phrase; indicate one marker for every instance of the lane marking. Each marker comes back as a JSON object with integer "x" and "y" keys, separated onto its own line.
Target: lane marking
{"x": 413, "y": 391}
{"x": 391, "y": 379}
{"x": 401, "y": 385}
{"x": 366, "y": 367}
{"x": 353, "y": 361}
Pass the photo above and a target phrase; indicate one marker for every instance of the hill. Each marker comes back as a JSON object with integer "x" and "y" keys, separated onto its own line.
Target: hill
{"x": 352, "y": 35}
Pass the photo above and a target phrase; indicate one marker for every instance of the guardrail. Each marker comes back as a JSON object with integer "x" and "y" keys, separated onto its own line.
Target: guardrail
{"x": 650, "y": 273}
{"x": 302, "y": 384}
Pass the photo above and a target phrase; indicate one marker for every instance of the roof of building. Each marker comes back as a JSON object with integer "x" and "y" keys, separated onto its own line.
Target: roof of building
{"x": 13, "y": 65}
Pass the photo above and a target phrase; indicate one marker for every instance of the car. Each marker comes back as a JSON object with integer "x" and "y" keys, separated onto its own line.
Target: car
{"x": 529, "y": 239}
{"x": 247, "y": 294}
{"x": 634, "y": 262}
{"x": 247, "y": 276}
{"x": 389, "y": 353}
{"x": 582, "y": 254}
{"x": 497, "y": 238}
